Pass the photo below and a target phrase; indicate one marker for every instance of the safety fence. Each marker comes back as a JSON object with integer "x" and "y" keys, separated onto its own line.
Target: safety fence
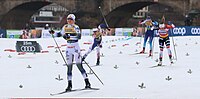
{"x": 139, "y": 31}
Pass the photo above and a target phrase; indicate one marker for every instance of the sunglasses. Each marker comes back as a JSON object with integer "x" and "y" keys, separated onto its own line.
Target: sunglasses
{"x": 69, "y": 19}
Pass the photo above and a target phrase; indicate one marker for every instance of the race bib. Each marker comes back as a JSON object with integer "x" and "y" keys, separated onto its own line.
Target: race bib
{"x": 69, "y": 30}
{"x": 148, "y": 23}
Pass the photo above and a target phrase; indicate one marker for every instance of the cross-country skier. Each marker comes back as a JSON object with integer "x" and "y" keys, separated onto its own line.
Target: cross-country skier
{"x": 164, "y": 39}
{"x": 149, "y": 33}
{"x": 71, "y": 33}
{"x": 96, "y": 44}
{"x": 103, "y": 29}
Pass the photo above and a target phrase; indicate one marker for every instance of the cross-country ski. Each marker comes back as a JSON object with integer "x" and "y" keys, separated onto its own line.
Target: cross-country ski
{"x": 73, "y": 90}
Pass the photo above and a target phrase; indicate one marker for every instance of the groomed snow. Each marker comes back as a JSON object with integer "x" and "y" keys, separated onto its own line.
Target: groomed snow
{"x": 17, "y": 80}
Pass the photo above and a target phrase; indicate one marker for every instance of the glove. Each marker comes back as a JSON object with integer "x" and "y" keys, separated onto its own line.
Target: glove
{"x": 51, "y": 31}
{"x": 66, "y": 36}
{"x": 100, "y": 46}
{"x": 83, "y": 58}
{"x": 152, "y": 28}
{"x": 59, "y": 34}
{"x": 108, "y": 29}
{"x": 140, "y": 22}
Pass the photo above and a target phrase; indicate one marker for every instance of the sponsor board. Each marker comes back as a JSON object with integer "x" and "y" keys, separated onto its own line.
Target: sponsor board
{"x": 179, "y": 31}
{"x": 185, "y": 31}
{"x": 86, "y": 32}
{"x": 27, "y": 46}
{"x": 195, "y": 31}
{"x": 118, "y": 31}
{"x": 127, "y": 31}
{"x": 13, "y": 33}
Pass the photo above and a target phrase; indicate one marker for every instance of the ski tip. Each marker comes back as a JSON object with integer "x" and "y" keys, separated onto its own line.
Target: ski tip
{"x": 51, "y": 94}
{"x": 96, "y": 65}
{"x": 157, "y": 66}
{"x": 91, "y": 89}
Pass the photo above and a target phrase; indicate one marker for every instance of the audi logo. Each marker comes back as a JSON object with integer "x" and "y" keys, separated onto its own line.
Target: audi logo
{"x": 181, "y": 31}
{"x": 28, "y": 48}
{"x": 195, "y": 30}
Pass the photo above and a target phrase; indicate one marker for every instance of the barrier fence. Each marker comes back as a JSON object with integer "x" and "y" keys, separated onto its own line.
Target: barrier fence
{"x": 177, "y": 31}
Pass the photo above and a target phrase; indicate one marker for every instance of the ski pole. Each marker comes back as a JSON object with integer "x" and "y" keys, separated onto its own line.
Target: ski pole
{"x": 93, "y": 72}
{"x": 153, "y": 44}
{"x": 141, "y": 33}
{"x": 103, "y": 16}
{"x": 173, "y": 45}
{"x": 154, "y": 37}
{"x": 59, "y": 49}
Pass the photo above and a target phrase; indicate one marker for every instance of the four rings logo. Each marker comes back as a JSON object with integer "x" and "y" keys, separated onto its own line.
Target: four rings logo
{"x": 181, "y": 31}
{"x": 27, "y": 48}
{"x": 195, "y": 30}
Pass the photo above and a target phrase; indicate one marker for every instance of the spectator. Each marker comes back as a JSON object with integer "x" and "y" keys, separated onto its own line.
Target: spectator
{"x": 134, "y": 31}
{"x": 188, "y": 21}
{"x": 33, "y": 34}
{"x": 45, "y": 32}
{"x": 24, "y": 35}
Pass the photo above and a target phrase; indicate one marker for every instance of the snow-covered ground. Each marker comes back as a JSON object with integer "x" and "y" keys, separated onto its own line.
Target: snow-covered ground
{"x": 33, "y": 75}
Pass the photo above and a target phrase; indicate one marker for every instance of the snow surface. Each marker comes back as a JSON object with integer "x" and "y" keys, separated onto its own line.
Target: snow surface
{"x": 17, "y": 80}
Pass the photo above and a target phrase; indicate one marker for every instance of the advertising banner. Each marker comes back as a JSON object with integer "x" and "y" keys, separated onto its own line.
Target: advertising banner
{"x": 14, "y": 33}
{"x": 118, "y": 31}
{"x": 185, "y": 31}
{"x": 28, "y": 46}
{"x": 127, "y": 31}
{"x": 86, "y": 32}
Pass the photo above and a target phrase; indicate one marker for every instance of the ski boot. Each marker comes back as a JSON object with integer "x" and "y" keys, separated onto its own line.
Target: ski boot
{"x": 171, "y": 61}
{"x": 87, "y": 83}
{"x": 160, "y": 63}
{"x": 150, "y": 53}
{"x": 69, "y": 87}
{"x": 142, "y": 50}
{"x": 98, "y": 62}
{"x": 170, "y": 58}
